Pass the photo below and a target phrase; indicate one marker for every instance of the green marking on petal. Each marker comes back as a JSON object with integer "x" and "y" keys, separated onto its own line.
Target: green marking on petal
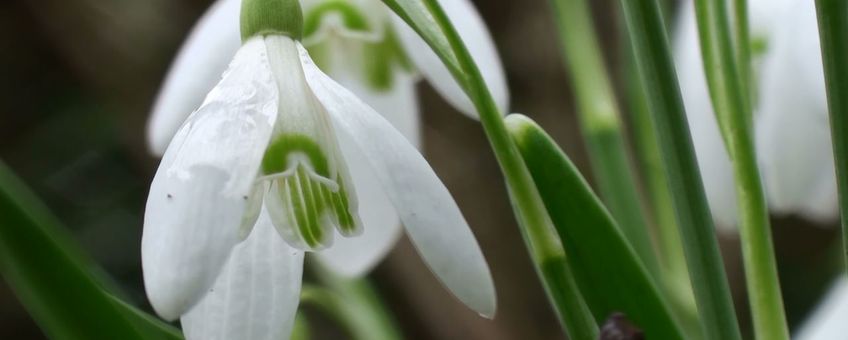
{"x": 308, "y": 202}
{"x": 352, "y": 18}
{"x": 277, "y": 158}
{"x": 347, "y": 225}
{"x": 759, "y": 46}
{"x": 380, "y": 60}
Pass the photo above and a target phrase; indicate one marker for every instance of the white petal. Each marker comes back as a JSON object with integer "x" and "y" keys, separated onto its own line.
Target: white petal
{"x": 793, "y": 132}
{"x": 399, "y": 105}
{"x": 713, "y": 160}
{"x": 355, "y": 256}
{"x": 827, "y": 322}
{"x": 764, "y": 16}
{"x": 429, "y": 213}
{"x": 199, "y": 194}
{"x": 203, "y": 57}
{"x": 256, "y": 295}
{"x": 472, "y": 29}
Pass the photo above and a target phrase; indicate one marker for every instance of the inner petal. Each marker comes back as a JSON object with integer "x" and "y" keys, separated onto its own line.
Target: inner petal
{"x": 308, "y": 182}
{"x": 305, "y": 207}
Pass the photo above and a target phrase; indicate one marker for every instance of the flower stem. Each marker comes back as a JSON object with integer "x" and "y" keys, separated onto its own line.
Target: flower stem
{"x": 833, "y": 30}
{"x": 656, "y": 70}
{"x": 742, "y": 40}
{"x": 730, "y": 103}
{"x": 601, "y": 125}
{"x": 537, "y": 228}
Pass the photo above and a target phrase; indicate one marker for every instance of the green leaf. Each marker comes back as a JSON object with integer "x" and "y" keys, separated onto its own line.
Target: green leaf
{"x": 657, "y": 77}
{"x": 833, "y": 33}
{"x": 608, "y": 272}
{"x": 53, "y": 279}
{"x": 147, "y": 325}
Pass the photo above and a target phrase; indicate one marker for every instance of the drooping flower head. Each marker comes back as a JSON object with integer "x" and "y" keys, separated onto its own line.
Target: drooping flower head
{"x": 271, "y": 165}
{"x": 368, "y": 50}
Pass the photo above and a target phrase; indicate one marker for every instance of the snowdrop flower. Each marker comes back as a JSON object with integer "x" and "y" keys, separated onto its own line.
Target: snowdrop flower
{"x": 359, "y": 43}
{"x": 271, "y": 165}
{"x": 827, "y": 321}
{"x": 790, "y": 112}
{"x": 364, "y": 47}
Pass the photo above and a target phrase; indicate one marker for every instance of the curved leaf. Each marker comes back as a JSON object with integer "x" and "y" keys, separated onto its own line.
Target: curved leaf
{"x": 608, "y": 272}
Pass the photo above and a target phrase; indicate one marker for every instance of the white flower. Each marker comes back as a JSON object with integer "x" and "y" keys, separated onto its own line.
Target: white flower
{"x": 278, "y": 145}
{"x": 215, "y": 38}
{"x": 354, "y": 42}
{"x": 827, "y": 321}
{"x": 790, "y": 112}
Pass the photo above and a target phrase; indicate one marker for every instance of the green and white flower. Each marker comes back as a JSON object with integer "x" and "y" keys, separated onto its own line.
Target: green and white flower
{"x": 790, "y": 113}
{"x": 363, "y": 46}
{"x": 277, "y": 160}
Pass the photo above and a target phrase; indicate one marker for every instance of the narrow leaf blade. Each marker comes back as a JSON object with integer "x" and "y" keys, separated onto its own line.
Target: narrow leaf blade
{"x": 52, "y": 277}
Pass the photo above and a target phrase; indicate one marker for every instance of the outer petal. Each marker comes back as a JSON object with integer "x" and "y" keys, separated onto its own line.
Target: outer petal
{"x": 256, "y": 295}
{"x": 765, "y": 14}
{"x": 713, "y": 160}
{"x": 827, "y": 322}
{"x": 472, "y": 29}
{"x": 399, "y": 105}
{"x": 200, "y": 192}
{"x": 210, "y": 46}
{"x": 357, "y": 255}
{"x": 792, "y": 126}
{"x": 430, "y": 215}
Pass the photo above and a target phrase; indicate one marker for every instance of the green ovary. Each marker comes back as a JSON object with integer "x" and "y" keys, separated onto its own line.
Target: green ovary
{"x": 305, "y": 202}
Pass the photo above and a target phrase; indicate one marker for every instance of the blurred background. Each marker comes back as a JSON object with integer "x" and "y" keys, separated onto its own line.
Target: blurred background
{"x": 77, "y": 81}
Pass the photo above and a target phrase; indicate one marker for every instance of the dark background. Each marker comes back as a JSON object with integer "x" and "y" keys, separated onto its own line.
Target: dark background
{"x": 77, "y": 79}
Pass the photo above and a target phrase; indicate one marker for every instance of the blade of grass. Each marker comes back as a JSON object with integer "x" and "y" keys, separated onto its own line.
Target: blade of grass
{"x": 608, "y": 273}
{"x": 673, "y": 261}
{"x": 601, "y": 125}
{"x": 53, "y": 278}
{"x": 659, "y": 200}
{"x": 833, "y": 33}
{"x": 731, "y": 108}
{"x": 649, "y": 43}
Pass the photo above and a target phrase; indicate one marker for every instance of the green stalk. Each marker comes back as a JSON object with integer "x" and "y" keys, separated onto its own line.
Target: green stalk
{"x": 559, "y": 282}
{"x": 546, "y": 250}
{"x": 656, "y": 70}
{"x": 833, "y": 31}
{"x": 729, "y": 101}
{"x": 354, "y": 303}
{"x": 742, "y": 40}
{"x": 601, "y": 125}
